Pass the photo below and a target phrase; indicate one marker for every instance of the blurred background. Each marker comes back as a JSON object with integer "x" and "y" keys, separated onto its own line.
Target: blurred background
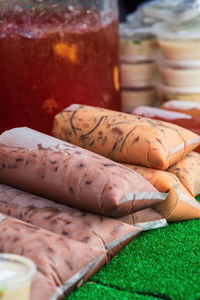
{"x": 127, "y": 6}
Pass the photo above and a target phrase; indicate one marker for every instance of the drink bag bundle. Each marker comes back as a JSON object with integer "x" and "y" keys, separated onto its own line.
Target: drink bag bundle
{"x": 68, "y": 174}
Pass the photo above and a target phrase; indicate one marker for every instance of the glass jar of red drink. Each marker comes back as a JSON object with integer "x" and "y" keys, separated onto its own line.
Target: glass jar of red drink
{"x": 53, "y": 54}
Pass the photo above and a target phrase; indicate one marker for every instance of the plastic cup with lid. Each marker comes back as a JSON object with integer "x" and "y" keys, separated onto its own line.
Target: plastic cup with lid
{"x": 136, "y": 44}
{"x": 16, "y": 275}
{"x": 166, "y": 92}
{"x": 179, "y": 74}
{"x": 180, "y": 42}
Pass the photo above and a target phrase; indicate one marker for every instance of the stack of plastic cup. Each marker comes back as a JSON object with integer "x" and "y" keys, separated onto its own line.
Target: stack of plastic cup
{"x": 179, "y": 64}
{"x": 137, "y": 67}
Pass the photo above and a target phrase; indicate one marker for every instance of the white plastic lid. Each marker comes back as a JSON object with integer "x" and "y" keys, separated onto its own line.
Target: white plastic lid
{"x": 178, "y": 90}
{"x": 178, "y": 64}
{"x": 171, "y": 31}
{"x": 135, "y": 58}
{"x": 128, "y": 32}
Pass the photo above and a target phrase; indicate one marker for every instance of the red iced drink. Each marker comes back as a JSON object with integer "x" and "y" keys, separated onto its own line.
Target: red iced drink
{"x": 50, "y": 61}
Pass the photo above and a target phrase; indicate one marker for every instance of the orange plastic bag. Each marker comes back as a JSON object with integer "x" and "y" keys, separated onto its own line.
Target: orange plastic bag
{"x": 123, "y": 137}
{"x": 179, "y": 205}
{"x": 188, "y": 172}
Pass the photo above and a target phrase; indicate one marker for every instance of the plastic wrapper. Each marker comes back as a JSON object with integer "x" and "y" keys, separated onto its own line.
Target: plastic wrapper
{"x": 166, "y": 92}
{"x": 180, "y": 204}
{"x": 131, "y": 98}
{"x": 179, "y": 11}
{"x": 96, "y": 231}
{"x": 61, "y": 263}
{"x": 188, "y": 172}
{"x": 137, "y": 75}
{"x": 188, "y": 107}
{"x": 123, "y": 137}
{"x": 146, "y": 219}
{"x": 57, "y": 170}
{"x": 181, "y": 119}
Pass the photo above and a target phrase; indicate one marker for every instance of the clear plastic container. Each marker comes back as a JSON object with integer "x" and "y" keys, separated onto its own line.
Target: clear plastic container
{"x": 179, "y": 41}
{"x": 166, "y": 93}
{"x": 137, "y": 74}
{"x": 16, "y": 275}
{"x": 136, "y": 44}
{"x": 178, "y": 64}
{"x": 178, "y": 76}
{"x": 131, "y": 98}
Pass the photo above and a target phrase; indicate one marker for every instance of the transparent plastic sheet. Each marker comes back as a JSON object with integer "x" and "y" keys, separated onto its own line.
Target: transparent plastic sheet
{"x": 146, "y": 219}
{"x": 178, "y": 11}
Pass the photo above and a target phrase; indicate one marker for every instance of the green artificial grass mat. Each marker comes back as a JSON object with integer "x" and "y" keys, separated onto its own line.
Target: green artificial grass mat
{"x": 159, "y": 264}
